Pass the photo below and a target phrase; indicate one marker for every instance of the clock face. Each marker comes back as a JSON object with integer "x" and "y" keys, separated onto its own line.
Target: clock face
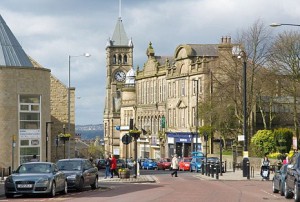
{"x": 120, "y": 76}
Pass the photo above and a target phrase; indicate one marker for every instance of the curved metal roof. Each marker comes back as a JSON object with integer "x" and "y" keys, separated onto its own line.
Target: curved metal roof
{"x": 11, "y": 52}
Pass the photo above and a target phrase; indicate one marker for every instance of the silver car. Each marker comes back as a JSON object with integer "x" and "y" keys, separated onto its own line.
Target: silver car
{"x": 36, "y": 178}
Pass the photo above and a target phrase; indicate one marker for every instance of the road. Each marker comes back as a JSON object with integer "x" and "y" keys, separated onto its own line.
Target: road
{"x": 186, "y": 187}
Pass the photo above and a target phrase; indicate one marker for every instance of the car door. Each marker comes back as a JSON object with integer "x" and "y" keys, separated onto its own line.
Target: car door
{"x": 91, "y": 171}
{"x": 290, "y": 173}
{"x": 58, "y": 176}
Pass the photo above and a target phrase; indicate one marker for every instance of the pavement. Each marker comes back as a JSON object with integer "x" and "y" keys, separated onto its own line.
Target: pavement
{"x": 227, "y": 176}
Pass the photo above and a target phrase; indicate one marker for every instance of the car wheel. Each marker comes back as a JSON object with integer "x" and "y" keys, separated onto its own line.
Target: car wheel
{"x": 7, "y": 195}
{"x": 80, "y": 186}
{"x": 296, "y": 193}
{"x": 287, "y": 193}
{"x": 53, "y": 190}
{"x": 95, "y": 184}
{"x": 65, "y": 190}
{"x": 273, "y": 187}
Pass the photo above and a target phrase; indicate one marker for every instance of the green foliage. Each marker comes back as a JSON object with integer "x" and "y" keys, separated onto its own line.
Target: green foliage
{"x": 205, "y": 129}
{"x": 96, "y": 151}
{"x": 284, "y": 140}
{"x": 263, "y": 142}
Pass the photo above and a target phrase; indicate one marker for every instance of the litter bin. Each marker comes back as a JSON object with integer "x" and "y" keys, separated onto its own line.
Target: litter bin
{"x": 245, "y": 167}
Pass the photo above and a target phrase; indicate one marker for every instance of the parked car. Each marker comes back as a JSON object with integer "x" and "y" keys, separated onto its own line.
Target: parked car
{"x": 36, "y": 178}
{"x": 199, "y": 154}
{"x": 291, "y": 187}
{"x": 195, "y": 164}
{"x": 279, "y": 180}
{"x": 185, "y": 163}
{"x": 214, "y": 160}
{"x": 121, "y": 163}
{"x": 149, "y": 164}
{"x": 164, "y": 163}
{"x": 80, "y": 173}
{"x": 100, "y": 163}
{"x": 130, "y": 163}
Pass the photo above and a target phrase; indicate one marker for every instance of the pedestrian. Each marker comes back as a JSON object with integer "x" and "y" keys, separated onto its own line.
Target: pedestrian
{"x": 107, "y": 167}
{"x": 140, "y": 162}
{"x": 113, "y": 166}
{"x": 174, "y": 165}
{"x": 286, "y": 160}
{"x": 34, "y": 158}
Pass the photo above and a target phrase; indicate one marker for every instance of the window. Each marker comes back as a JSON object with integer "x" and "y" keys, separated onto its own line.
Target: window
{"x": 193, "y": 116}
{"x": 114, "y": 59}
{"x": 125, "y": 59}
{"x": 30, "y": 126}
{"x": 182, "y": 88}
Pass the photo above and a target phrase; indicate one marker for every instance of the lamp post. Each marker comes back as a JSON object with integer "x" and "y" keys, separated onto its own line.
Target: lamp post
{"x": 47, "y": 138}
{"x": 69, "y": 96}
{"x": 275, "y": 24}
{"x": 197, "y": 115}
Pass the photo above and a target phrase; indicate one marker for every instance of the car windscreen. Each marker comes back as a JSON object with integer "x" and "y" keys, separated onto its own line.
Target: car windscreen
{"x": 187, "y": 160}
{"x": 34, "y": 168}
{"x": 199, "y": 160}
{"x": 69, "y": 165}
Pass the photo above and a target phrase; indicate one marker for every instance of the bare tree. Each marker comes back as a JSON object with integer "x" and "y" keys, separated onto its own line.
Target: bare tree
{"x": 284, "y": 59}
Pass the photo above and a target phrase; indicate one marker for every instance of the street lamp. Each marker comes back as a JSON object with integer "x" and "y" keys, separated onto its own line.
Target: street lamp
{"x": 47, "y": 138}
{"x": 275, "y": 24}
{"x": 197, "y": 115}
{"x": 69, "y": 96}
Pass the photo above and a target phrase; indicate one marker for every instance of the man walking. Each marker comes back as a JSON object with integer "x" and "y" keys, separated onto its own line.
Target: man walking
{"x": 107, "y": 167}
{"x": 174, "y": 165}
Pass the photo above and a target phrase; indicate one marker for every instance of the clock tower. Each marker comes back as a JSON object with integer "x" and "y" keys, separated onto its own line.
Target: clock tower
{"x": 119, "y": 53}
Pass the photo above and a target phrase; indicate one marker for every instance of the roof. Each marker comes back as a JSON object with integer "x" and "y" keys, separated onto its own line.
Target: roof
{"x": 204, "y": 49}
{"x": 119, "y": 37}
{"x": 11, "y": 52}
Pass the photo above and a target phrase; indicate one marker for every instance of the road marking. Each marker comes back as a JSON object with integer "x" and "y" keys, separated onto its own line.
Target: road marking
{"x": 271, "y": 194}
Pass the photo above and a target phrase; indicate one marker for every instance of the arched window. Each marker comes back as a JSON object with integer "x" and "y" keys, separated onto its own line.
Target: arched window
{"x": 119, "y": 59}
{"x": 125, "y": 59}
{"x": 114, "y": 59}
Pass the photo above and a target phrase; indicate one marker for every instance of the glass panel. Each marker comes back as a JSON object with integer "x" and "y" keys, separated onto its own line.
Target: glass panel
{"x": 24, "y": 142}
{"x": 29, "y": 99}
{"x": 24, "y": 107}
{"x": 29, "y": 116}
{"x": 35, "y": 108}
{"x": 29, "y": 125}
{"x": 26, "y": 153}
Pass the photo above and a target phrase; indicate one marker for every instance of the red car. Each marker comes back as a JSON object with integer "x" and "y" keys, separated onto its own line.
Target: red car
{"x": 184, "y": 163}
{"x": 163, "y": 164}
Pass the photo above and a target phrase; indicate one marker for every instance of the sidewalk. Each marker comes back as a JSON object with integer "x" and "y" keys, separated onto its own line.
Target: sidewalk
{"x": 139, "y": 179}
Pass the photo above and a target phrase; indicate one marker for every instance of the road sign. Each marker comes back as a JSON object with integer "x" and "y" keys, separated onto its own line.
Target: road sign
{"x": 126, "y": 139}
{"x": 117, "y": 127}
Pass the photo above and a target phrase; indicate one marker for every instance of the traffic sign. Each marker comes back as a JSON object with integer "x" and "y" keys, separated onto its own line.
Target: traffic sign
{"x": 117, "y": 127}
{"x": 126, "y": 139}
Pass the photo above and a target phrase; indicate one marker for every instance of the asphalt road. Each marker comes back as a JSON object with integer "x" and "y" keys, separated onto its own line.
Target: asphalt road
{"x": 186, "y": 187}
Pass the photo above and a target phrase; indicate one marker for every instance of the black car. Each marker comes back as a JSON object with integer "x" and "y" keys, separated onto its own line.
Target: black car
{"x": 121, "y": 163}
{"x": 100, "y": 163}
{"x": 79, "y": 173}
{"x": 292, "y": 182}
{"x": 279, "y": 180}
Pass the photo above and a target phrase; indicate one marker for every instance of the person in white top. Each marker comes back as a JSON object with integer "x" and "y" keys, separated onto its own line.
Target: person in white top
{"x": 174, "y": 165}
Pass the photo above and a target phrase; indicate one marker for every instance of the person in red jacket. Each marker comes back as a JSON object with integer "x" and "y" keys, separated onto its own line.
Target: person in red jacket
{"x": 113, "y": 166}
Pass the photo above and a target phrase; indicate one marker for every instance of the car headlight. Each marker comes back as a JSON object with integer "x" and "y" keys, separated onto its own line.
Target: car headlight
{"x": 9, "y": 180}
{"x": 43, "y": 181}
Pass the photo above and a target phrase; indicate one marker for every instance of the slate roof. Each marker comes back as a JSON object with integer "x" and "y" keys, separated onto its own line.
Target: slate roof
{"x": 204, "y": 49}
{"x": 119, "y": 37}
{"x": 11, "y": 52}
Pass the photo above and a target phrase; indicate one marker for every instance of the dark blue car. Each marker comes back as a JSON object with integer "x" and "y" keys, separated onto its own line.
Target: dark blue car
{"x": 278, "y": 184}
{"x": 149, "y": 164}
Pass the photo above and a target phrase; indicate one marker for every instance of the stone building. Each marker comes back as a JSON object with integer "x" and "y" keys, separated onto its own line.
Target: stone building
{"x": 162, "y": 98}
{"x": 31, "y": 101}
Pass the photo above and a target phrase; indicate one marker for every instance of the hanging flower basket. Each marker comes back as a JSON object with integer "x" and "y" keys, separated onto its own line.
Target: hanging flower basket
{"x": 124, "y": 173}
{"x": 64, "y": 137}
{"x": 135, "y": 133}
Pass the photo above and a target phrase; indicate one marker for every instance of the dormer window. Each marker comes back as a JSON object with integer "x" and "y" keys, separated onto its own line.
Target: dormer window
{"x": 119, "y": 59}
{"x": 125, "y": 59}
{"x": 114, "y": 59}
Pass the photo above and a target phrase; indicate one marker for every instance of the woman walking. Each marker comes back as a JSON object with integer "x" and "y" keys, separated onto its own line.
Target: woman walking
{"x": 174, "y": 165}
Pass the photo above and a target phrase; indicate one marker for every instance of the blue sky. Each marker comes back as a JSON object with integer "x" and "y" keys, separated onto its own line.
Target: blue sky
{"x": 51, "y": 30}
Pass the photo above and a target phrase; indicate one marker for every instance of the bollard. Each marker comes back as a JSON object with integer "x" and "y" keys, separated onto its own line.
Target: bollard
{"x": 202, "y": 167}
{"x": 212, "y": 169}
{"x": 208, "y": 167}
{"x": 248, "y": 169}
{"x": 225, "y": 167}
{"x": 252, "y": 171}
{"x": 233, "y": 166}
{"x": 9, "y": 170}
{"x": 218, "y": 169}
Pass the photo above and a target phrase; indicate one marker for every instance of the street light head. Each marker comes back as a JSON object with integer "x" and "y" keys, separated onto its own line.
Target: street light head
{"x": 86, "y": 55}
{"x": 275, "y": 24}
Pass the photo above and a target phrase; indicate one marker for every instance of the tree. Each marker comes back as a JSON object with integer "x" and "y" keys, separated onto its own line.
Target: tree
{"x": 262, "y": 143}
{"x": 284, "y": 59}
